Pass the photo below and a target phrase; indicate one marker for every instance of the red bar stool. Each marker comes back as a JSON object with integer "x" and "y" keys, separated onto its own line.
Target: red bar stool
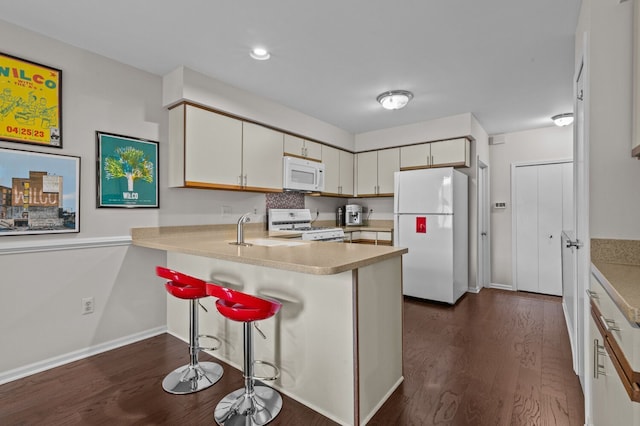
{"x": 196, "y": 375}
{"x": 254, "y": 404}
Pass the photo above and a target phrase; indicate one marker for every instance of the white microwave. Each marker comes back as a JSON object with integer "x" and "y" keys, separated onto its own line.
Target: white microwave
{"x": 303, "y": 175}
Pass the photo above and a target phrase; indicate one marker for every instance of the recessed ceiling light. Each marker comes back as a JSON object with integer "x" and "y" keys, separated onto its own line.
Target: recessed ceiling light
{"x": 260, "y": 53}
{"x": 561, "y": 120}
{"x": 394, "y": 99}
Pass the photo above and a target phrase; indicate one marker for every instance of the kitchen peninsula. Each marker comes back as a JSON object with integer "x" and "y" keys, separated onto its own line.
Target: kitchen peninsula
{"x": 337, "y": 339}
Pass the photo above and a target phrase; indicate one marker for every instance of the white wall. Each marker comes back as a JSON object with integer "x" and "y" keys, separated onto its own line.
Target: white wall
{"x": 186, "y": 84}
{"x": 614, "y": 175}
{"x": 40, "y": 311}
{"x": 549, "y": 143}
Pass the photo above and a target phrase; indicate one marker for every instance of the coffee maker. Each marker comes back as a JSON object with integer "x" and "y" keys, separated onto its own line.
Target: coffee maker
{"x": 353, "y": 215}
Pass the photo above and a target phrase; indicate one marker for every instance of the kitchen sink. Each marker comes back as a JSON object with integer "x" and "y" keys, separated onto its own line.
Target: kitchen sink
{"x": 266, "y": 242}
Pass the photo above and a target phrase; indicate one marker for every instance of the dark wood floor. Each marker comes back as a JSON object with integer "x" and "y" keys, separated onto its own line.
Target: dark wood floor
{"x": 496, "y": 358}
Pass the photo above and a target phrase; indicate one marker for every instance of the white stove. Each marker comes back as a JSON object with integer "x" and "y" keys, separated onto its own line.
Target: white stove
{"x": 299, "y": 221}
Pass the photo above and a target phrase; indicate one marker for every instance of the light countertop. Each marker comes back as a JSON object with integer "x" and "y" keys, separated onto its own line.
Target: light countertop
{"x": 317, "y": 258}
{"x": 616, "y": 264}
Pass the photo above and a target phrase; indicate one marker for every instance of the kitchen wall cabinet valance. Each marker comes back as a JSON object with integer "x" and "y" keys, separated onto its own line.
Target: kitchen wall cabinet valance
{"x": 210, "y": 150}
{"x": 375, "y": 171}
{"x": 338, "y": 172}
{"x": 299, "y": 147}
{"x": 447, "y": 153}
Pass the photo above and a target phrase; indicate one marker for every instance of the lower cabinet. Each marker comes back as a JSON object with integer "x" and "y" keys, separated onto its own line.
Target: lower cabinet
{"x": 611, "y": 403}
{"x": 378, "y": 238}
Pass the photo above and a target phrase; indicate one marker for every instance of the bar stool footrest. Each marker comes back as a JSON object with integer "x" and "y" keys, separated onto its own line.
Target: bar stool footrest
{"x": 274, "y": 376}
{"x": 211, "y": 348}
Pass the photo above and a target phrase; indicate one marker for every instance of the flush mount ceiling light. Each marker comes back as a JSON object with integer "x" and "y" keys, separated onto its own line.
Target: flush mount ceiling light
{"x": 394, "y": 99}
{"x": 260, "y": 54}
{"x": 561, "y": 120}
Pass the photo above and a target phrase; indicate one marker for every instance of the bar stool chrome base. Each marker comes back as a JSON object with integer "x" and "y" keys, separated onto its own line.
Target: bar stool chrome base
{"x": 241, "y": 408}
{"x": 192, "y": 378}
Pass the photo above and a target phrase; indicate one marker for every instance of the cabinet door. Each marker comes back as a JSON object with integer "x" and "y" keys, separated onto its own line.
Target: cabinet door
{"x": 346, "y": 173}
{"x": 367, "y": 173}
{"x": 261, "y": 157}
{"x": 415, "y": 156}
{"x": 388, "y": 164}
{"x": 299, "y": 147}
{"x": 331, "y": 161}
{"x": 293, "y": 145}
{"x": 213, "y": 148}
{"x": 312, "y": 150}
{"x": 454, "y": 152}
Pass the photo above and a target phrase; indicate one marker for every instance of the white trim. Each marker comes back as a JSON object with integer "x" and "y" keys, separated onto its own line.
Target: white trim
{"x": 475, "y": 290}
{"x": 37, "y": 367}
{"x": 59, "y": 244}
{"x": 382, "y": 401}
{"x": 501, "y": 286}
{"x": 572, "y": 337}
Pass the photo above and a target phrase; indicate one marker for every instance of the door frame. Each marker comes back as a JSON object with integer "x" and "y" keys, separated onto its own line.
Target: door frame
{"x": 515, "y": 165}
{"x": 483, "y": 261}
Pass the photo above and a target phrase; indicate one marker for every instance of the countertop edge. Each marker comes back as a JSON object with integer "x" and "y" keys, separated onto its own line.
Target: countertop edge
{"x": 632, "y": 313}
{"x": 159, "y": 243}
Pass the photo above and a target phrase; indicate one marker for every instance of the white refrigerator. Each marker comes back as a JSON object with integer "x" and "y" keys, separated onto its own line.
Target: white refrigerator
{"x": 430, "y": 211}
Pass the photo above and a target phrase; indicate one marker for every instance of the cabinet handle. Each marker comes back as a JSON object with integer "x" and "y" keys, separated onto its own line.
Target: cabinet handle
{"x": 431, "y": 162}
{"x": 592, "y": 294}
{"x": 240, "y": 180}
{"x": 598, "y": 368}
{"x": 609, "y": 324}
{"x": 245, "y": 180}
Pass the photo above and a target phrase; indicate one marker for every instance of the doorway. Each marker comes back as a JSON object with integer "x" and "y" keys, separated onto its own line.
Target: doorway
{"x": 542, "y": 195}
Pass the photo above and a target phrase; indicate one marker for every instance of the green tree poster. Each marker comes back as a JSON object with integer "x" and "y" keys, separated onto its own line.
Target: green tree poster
{"x": 127, "y": 171}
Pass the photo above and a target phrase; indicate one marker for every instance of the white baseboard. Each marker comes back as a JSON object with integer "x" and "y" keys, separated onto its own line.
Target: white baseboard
{"x": 475, "y": 290}
{"x": 37, "y": 367}
{"x": 501, "y": 286}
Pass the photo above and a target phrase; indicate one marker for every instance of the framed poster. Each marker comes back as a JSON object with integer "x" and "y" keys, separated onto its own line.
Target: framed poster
{"x": 39, "y": 193}
{"x": 127, "y": 171}
{"x": 30, "y": 102}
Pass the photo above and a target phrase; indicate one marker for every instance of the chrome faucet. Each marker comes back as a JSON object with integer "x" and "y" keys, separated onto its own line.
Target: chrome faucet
{"x": 240, "y": 230}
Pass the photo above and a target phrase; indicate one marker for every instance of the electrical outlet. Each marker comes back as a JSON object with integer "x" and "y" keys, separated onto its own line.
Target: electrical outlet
{"x": 87, "y": 305}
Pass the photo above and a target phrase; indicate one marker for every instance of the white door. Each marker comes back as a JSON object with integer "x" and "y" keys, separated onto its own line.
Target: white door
{"x": 526, "y": 206}
{"x": 540, "y": 199}
{"x": 484, "y": 261}
{"x": 427, "y": 269}
{"x": 581, "y": 213}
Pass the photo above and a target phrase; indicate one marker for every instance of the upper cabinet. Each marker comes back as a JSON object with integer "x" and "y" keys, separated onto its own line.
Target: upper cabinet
{"x": 375, "y": 170}
{"x": 415, "y": 156}
{"x": 261, "y": 157}
{"x": 211, "y": 150}
{"x": 338, "y": 176}
{"x": 448, "y": 153}
{"x": 299, "y": 147}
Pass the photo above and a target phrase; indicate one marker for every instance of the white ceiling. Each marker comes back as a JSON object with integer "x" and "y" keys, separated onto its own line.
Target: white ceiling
{"x": 509, "y": 62}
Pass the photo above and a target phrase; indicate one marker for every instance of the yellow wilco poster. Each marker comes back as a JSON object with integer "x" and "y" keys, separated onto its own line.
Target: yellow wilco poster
{"x": 30, "y": 102}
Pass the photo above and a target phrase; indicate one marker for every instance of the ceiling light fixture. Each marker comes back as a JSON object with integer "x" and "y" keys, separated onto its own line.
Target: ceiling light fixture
{"x": 561, "y": 120}
{"x": 260, "y": 54}
{"x": 394, "y": 99}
